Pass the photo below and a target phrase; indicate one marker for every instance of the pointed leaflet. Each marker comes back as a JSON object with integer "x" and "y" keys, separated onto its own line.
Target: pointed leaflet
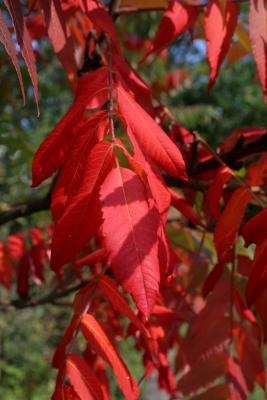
{"x": 83, "y": 378}
{"x": 150, "y": 136}
{"x": 82, "y": 216}
{"x": 160, "y": 193}
{"x": 60, "y": 36}
{"x": 176, "y": 20}
{"x": 100, "y": 343}
{"x": 254, "y": 230}
{"x": 250, "y": 359}
{"x": 131, "y": 237}
{"x": 71, "y": 175}
{"x": 6, "y": 40}
{"x": 219, "y": 27}
{"x": 215, "y": 190}
{"x": 110, "y": 290}
{"x": 228, "y": 223}
{"x": 91, "y": 92}
{"x": 257, "y": 281}
{"x": 24, "y": 40}
{"x": 60, "y": 353}
{"x": 258, "y": 39}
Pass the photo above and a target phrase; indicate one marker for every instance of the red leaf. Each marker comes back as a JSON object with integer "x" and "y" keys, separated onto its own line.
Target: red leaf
{"x": 59, "y": 355}
{"x": 177, "y": 19}
{"x": 250, "y": 360}
{"x": 98, "y": 340}
{"x": 229, "y": 221}
{"x": 6, "y": 267}
{"x": 35, "y": 26}
{"x": 96, "y": 256}
{"x": 139, "y": 88}
{"x": 83, "y": 378}
{"x": 110, "y": 290}
{"x": 131, "y": 236}
{"x": 212, "y": 278}
{"x": 102, "y": 21}
{"x": 257, "y": 281}
{"x": 23, "y": 38}
{"x": 60, "y": 37}
{"x": 254, "y": 230}
{"x": 215, "y": 190}
{"x": 82, "y": 216}
{"x": 218, "y": 392}
{"x": 220, "y": 24}
{"x": 160, "y": 192}
{"x": 23, "y": 272}
{"x": 157, "y": 145}
{"x": 258, "y": 38}
{"x": 71, "y": 176}
{"x": 203, "y": 373}
{"x": 91, "y": 92}
{"x": 182, "y": 205}
{"x": 6, "y": 40}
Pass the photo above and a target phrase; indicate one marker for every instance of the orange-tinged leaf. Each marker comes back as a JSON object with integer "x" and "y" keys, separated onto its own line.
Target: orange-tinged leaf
{"x": 219, "y": 27}
{"x": 83, "y": 378}
{"x": 110, "y": 290}
{"x": 99, "y": 341}
{"x": 258, "y": 39}
{"x": 131, "y": 237}
{"x": 157, "y": 145}
{"x": 229, "y": 221}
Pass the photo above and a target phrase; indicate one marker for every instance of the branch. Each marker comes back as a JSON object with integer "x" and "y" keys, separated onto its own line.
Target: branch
{"x": 30, "y": 206}
{"x": 113, "y": 7}
{"x": 50, "y": 298}
{"x": 234, "y": 156}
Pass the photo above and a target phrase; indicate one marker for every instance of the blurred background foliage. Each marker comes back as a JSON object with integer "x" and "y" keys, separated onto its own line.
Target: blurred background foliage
{"x": 28, "y": 337}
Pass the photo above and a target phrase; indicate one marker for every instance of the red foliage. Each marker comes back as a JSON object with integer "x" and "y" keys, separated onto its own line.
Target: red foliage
{"x": 111, "y": 206}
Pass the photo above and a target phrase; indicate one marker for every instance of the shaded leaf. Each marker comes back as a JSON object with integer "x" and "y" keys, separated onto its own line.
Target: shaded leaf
{"x": 82, "y": 216}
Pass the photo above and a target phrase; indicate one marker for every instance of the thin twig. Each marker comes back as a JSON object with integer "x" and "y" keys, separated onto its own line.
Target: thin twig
{"x": 50, "y": 298}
